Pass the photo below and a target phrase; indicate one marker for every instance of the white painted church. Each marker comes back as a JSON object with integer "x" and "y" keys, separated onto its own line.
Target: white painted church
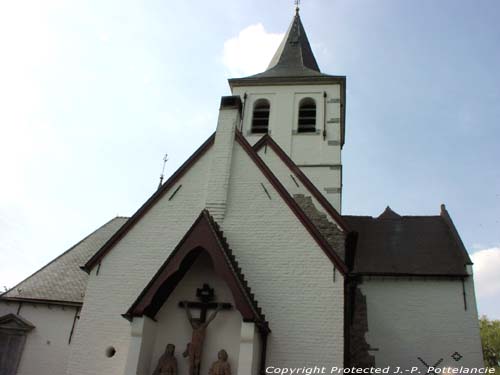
{"x": 248, "y": 238}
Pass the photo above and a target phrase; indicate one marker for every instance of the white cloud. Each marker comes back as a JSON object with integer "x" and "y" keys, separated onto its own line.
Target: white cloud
{"x": 251, "y": 51}
{"x": 486, "y": 274}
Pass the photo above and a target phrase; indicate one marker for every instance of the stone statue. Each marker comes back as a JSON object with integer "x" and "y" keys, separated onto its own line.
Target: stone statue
{"x": 221, "y": 366}
{"x": 167, "y": 364}
{"x": 195, "y": 347}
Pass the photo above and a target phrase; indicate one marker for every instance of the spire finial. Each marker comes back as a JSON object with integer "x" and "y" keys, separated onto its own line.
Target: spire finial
{"x": 165, "y": 159}
{"x": 297, "y": 3}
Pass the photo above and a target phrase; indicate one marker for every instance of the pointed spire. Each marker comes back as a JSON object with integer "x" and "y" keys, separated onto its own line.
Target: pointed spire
{"x": 294, "y": 57}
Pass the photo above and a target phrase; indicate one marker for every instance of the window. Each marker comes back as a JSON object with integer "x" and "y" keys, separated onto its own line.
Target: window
{"x": 260, "y": 119}
{"x": 307, "y": 116}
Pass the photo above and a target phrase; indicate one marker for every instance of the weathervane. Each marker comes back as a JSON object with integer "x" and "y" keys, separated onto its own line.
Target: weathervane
{"x": 165, "y": 159}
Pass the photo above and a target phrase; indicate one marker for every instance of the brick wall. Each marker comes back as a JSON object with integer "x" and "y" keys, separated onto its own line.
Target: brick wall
{"x": 290, "y": 275}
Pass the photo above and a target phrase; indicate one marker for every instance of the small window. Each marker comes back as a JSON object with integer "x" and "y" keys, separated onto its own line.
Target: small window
{"x": 307, "y": 116}
{"x": 260, "y": 119}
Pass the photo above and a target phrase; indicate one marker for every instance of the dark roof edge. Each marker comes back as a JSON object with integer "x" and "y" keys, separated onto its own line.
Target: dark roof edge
{"x": 288, "y": 81}
{"x": 278, "y": 81}
{"x": 267, "y": 140}
{"x": 41, "y": 301}
{"x": 400, "y": 274}
{"x": 59, "y": 256}
{"x": 241, "y": 283}
{"x": 148, "y": 204}
{"x": 449, "y": 222}
{"x": 285, "y": 195}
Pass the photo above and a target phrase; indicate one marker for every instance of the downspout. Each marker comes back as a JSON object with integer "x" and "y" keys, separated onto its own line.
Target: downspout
{"x": 324, "y": 115}
{"x": 263, "y": 351}
{"x": 243, "y": 111}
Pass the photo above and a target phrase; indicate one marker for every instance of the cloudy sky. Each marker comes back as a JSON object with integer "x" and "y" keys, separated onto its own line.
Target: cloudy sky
{"x": 93, "y": 94}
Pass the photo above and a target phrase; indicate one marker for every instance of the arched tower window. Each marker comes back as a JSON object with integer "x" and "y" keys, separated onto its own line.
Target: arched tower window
{"x": 307, "y": 116}
{"x": 260, "y": 119}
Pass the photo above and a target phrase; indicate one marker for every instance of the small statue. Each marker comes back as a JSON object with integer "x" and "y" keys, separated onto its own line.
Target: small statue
{"x": 195, "y": 347}
{"x": 167, "y": 364}
{"x": 221, "y": 366}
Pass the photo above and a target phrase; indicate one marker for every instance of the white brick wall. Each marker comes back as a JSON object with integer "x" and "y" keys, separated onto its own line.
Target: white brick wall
{"x": 221, "y": 163}
{"x": 290, "y": 275}
{"x": 47, "y": 349}
{"x": 410, "y": 318}
{"x": 310, "y": 149}
{"x": 282, "y": 172}
{"x": 127, "y": 269}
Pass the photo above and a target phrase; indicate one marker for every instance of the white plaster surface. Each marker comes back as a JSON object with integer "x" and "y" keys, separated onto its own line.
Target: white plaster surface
{"x": 47, "y": 349}
{"x": 410, "y": 318}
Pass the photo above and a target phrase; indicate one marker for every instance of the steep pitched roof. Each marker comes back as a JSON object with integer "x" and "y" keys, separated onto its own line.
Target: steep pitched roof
{"x": 62, "y": 280}
{"x": 408, "y": 245}
{"x": 204, "y": 235}
{"x": 294, "y": 59}
{"x": 293, "y": 205}
{"x": 267, "y": 140}
{"x": 97, "y": 257}
{"x": 294, "y": 55}
{"x": 295, "y": 208}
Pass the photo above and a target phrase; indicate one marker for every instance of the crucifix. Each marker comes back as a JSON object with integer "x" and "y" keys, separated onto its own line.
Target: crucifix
{"x": 194, "y": 349}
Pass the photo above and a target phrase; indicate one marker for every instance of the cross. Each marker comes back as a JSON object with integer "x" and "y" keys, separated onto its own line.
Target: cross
{"x": 194, "y": 348}
{"x": 206, "y": 295}
{"x": 297, "y": 3}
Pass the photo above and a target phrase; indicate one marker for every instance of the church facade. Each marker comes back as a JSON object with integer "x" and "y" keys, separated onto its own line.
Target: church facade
{"x": 242, "y": 261}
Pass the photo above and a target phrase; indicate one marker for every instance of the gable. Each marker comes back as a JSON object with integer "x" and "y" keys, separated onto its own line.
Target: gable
{"x": 170, "y": 186}
{"x": 290, "y": 272}
{"x": 294, "y": 207}
{"x": 15, "y": 323}
{"x": 294, "y": 179}
{"x": 203, "y": 236}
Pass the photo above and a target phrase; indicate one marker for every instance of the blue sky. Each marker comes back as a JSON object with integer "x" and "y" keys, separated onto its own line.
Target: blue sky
{"x": 93, "y": 94}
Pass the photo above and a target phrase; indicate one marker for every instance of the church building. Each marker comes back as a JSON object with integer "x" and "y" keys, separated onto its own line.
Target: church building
{"x": 242, "y": 261}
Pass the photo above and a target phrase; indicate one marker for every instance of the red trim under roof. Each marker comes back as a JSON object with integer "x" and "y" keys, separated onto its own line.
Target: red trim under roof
{"x": 311, "y": 228}
{"x": 266, "y": 140}
{"x": 92, "y": 262}
{"x": 203, "y": 236}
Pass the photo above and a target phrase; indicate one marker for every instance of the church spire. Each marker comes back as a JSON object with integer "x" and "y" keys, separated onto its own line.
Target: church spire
{"x": 294, "y": 56}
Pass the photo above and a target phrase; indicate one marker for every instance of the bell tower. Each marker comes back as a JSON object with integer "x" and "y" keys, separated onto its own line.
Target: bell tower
{"x": 302, "y": 109}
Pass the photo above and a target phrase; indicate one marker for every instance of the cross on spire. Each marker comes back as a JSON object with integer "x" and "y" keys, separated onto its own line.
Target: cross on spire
{"x": 297, "y": 3}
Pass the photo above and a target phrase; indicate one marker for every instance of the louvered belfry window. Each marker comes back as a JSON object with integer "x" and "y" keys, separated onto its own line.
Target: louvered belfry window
{"x": 260, "y": 119}
{"x": 307, "y": 116}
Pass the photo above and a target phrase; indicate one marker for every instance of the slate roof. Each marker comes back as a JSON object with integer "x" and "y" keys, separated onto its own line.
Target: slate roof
{"x": 294, "y": 58}
{"x": 408, "y": 245}
{"x": 62, "y": 280}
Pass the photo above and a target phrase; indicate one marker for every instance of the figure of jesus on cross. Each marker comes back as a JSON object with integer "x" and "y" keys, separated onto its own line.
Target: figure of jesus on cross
{"x": 195, "y": 347}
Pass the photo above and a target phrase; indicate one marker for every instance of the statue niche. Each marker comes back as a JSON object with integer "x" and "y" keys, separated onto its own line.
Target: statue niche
{"x": 199, "y": 325}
